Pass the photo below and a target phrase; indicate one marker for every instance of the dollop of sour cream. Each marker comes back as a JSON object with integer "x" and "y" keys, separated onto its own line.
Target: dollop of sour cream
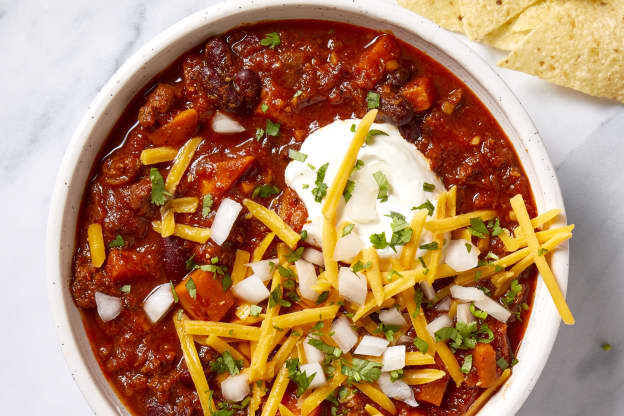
{"x": 404, "y": 166}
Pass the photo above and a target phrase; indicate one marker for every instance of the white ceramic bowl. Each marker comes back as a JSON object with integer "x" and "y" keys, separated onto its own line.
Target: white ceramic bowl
{"x": 169, "y": 45}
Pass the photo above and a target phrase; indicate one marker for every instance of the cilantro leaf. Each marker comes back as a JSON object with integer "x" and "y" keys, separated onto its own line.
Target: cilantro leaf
{"x": 176, "y": 299}
{"x": 226, "y": 282}
{"x": 298, "y": 156}
{"x": 384, "y": 185}
{"x": 272, "y": 40}
{"x": 372, "y": 133}
{"x": 428, "y": 187}
{"x": 502, "y": 363}
{"x": 272, "y": 129}
{"x": 478, "y": 228}
{"x": 426, "y": 205}
{"x": 361, "y": 371}
{"x": 259, "y": 134}
{"x": 321, "y": 188}
{"x": 467, "y": 365}
{"x": 395, "y": 375}
{"x": 125, "y": 289}
{"x": 158, "y": 195}
{"x": 275, "y": 298}
{"x": 117, "y": 242}
{"x": 430, "y": 246}
{"x": 299, "y": 377}
{"x": 514, "y": 289}
{"x": 264, "y": 107}
{"x": 372, "y": 100}
{"x": 379, "y": 240}
{"x": 496, "y": 228}
{"x": 333, "y": 352}
{"x": 226, "y": 362}
{"x": 255, "y": 310}
{"x": 359, "y": 266}
{"x": 191, "y": 288}
{"x": 295, "y": 255}
{"x": 206, "y": 205}
{"x": 347, "y": 229}
{"x": 421, "y": 345}
{"x": 322, "y": 297}
{"x": 348, "y": 190}
{"x": 265, "y": 191}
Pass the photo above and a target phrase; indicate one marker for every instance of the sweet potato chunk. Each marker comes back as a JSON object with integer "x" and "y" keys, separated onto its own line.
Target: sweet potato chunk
{"x": 419, "y": 92}
{"x": 433, "y": 392}
{"x": 484, "y": 360}
{"x": 125, "y": 265}
{"x": 224, "y": 174}
{"x": 372, "y": 64}
{"x": 177, "y": 131}
{"x": 211, "y": 302}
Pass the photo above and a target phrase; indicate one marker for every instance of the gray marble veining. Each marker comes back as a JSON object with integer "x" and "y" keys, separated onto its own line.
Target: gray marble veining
{"x": 57, "y": 55}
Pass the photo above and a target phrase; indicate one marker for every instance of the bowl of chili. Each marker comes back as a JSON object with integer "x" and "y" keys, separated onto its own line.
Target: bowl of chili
{"x": 163, "y": 51}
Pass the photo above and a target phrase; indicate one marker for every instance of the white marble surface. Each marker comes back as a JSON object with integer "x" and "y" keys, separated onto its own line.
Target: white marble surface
{"x": 56, "y": 55}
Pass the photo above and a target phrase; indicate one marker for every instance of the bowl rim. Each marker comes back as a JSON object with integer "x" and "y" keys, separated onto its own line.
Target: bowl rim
{"x": 534, "y": 158}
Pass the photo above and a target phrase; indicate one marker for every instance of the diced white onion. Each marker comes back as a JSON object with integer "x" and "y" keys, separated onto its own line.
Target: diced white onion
{"x": 262, "y": 268}
{"x": 428, "y": 290}
{"x": 459, "y": 258}
{"x": 463, "y": 313}
{"x": 158, "y": 302}
{"x": 370, "y": 345}
{"x": 467, "y": 294}
{"x": 392, "y": 316}
{"x": 225, "y": 125}
{"x": 313, "y": 354}
{"x": 235, "y": 388}
{"x": 495, "y": 309}
{"x": 319, "y": 376}
{"x": 313, "y": 256}
{"x": 224, "y": 220}
{"x": 108, "y": 307}
{"x": 398, "y": 390}
{"x": 344, "y": 335}
{"x": 307, "y": 279}
{"x": 251, "y": 290}
{"x": 352, "y": 286}
{"x": 347, "y": 248}
{"x": 442, "y": 321}
{"x": 393, "y": 358}
{"x": 444, "y": 305}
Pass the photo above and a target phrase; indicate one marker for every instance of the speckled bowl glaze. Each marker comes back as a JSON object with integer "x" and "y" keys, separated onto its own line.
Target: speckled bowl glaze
{"x": 169, "y": 45}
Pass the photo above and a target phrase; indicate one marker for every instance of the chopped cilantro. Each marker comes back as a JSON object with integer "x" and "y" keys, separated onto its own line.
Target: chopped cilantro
{"x": 226, "y": 282}
{"x": 426, "y": 205}
{"x": 418, "y": 297}
{"x": 542, "y": 251}
{"x": 299, "y": 377}
{"x": 606, "y": 346}
{"x": 264, "y": 107}
{"x": 275, "y": 298}
{"x": 304, "y": 235}
{"x": 388, "y": 330}
{"x": 379, "y": 240}
{"x": 361, "y": 371}
{"x": 353, "y": 128}
{"x": 348, "y": 190}
{"x": 384, "y": 185}
{"x": 496, "y": 228}
{"x": 295, "y": 255}
{"x": 372, "y": 133}
{"x": 272, "y": 129}
{"x": 322, "y": 297}
{"x": 502, "y": 363}
{"x": 401, "y": 231}
{"x": 430, "y": 246}
{"x": 284, "y": 272}
{"x": 372, "y": 100}
{"x": 421, "y": 345}
{"x": 468, "y": 247}
{"x": 347, "y": 229}
{"x": 333, "y": 352}
{"x": 467, "y": 365}
{"x": 259, "y": 134}
{"x": 358, "y": 164}
{"x": 359, "y": 266}
{"x": 272, "y": 40}
{"x": 421, "y": 259}
{"x": 117, "y": 242}
{"x": 226, "y": 363}
{"x": 158, "y": 195}
{"x": 478, "y": 228}
{"x": 428, "y": 187}
{"x": 265, "y": 191}
{"x": 191, "y": 288}
{"x": 298, "y": 156}
{"x": 206, "y": 205}
{"x": 321, "y": 188}
{"x": 127, "y": 288}
{"x": 176, "y": 299}
{"x": 514, "y": 289}
{"x": 297, "y": 93}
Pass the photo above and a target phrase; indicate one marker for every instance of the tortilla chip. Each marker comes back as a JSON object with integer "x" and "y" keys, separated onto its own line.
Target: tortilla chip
{"x": 443, "y": 12}
{"x": 505, "y": 38}
{"x": 481, "y": 17}
{"x": 581, "y": 46}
